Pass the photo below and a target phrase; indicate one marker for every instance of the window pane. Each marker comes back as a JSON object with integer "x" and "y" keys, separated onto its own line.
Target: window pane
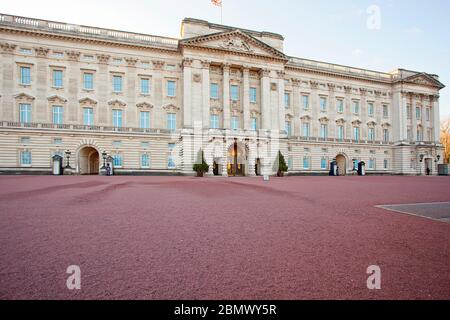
{"x": 57, "y": 78}
{"x": 25, "y": 158}
{"x": 171, "y": 88}
{"x": 171, "y": 121}
{"x": 25, "y": 112}
{"x": 117, "y": 84}
{"x": 145, "y": 120}
{"x": 234, "y": 93}
{"x": 88, "y": 116}
{"x": 145, "y": 86}
{"x": 25, "y": 75}
{"x": 214, "y": 91}
{"x": 117, "y": 118}
{"x": 254, "y": 124}
{"x": 57, "y": 115}
{"x": 88, "y": 81}
{"x": 253, "y": 95}
{"x": 145, "y": 161}
{"x": 305, "y": 102}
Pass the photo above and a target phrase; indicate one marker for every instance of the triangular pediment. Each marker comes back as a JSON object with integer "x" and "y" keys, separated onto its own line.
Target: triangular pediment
{"x": 424, "y": 79}
{"x": 235, "y": 41}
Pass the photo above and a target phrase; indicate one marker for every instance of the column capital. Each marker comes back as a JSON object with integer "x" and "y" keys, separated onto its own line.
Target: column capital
{"x": 206, "y": 64}
{"x": 245, "y": 69}
{"x": 331, "y": 86}
{"x": 281, "y": 74}
{"x": 158, "y": 64}
{"x": 348, "y": 89}
{"x": 41, "y": 51}
{"x": 187, "y": 62}
{"x": 264, "y": 73}
{"x": 226, "y": 67}
{"x": 363, "y": 91}
{"x": 314, "y": 84}
{"x": 296, "y": 82}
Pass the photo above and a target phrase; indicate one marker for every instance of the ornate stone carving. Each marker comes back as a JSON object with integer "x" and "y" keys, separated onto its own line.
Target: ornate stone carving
{"x": 281, "y": 74}
{"x": 371, "y": 124}
{"x": 158, "y": 64}
{"x": 264, "y": 73}
{"x": 103, "y": 58}
{"x": 377, "y": 93}
{"x": 171, "y": 108}
{"x": 73, "y": 55}
{"x": 87, "y": 101}
{"x": 23, "y": 97}
{"x": 56, "y": 99}
{"x": 144, "y": 106}
{"x": 314, "y": 84}
{"x": 296, "y": 82}
{"x": 226, "y": 67}
{"x": 341, "y": 121}
{"x": 331, "y": 86}
{"x": 131, "y": 61}
{"x": 273, "y": 86}
{"x": 7, "y": 47}
{"x": 236, "y": 44}
{"x": 187, "y": 62}
{"x": 117, "y": 103}
{"x": 324, "y": 120}
{"x": 42, "y": 52}
{"x": 206, "y": 64}
{"x": 363, "y": 91}
{"x": 197, "y": 77}
{"x": 348, "y": 89}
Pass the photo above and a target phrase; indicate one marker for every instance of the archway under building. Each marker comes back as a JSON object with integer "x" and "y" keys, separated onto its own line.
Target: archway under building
{"x": 236, "y": 164}
{"x": 88, "y": 161}
{"x": 341, "y": 162}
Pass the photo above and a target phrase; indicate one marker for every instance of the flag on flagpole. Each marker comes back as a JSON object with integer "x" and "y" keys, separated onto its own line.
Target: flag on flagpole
{"x": 217, "y": 2}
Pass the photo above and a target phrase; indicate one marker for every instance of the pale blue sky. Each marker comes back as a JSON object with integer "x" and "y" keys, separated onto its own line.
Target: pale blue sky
{"x": 413, "y": 35}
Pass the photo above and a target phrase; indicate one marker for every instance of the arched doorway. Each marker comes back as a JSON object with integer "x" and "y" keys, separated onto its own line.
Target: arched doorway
{"x": 342, "y": 164}
{"x": 236, "y": 161}
{"x": 88, "y": 161}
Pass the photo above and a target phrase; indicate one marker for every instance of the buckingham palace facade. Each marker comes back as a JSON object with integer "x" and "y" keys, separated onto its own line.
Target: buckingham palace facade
{"x": 151, "y": 103}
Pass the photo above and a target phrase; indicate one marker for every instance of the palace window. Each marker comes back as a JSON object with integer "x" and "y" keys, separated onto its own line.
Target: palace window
{"x": 117, "y": 118}
{"x": 214, "y": 91}
{"x": 144, "y": 120}
{"x": 371, "y": 135}
{"x": 323, "y": 104}
{"x": 429, "y": 135}
{"x": 386, "y": 135}
{"x": 88, "y": 116}
{"x": 419, "y": 135}
{"x": 253, "y": 95}
{"x": 145, "y": 160}
{"x": 356, "y": 133}
{"x": 356, "y": 107}
{"x": 25, "y": 75}
{"x": 306, "y": 163}
{"x": 386, "y": 164}
{"x": 145, "y": 144}
{"x": 340, "y": 132}
{"x": 26, "y": 51}
{"x": 118, "y": 160}
{"x": 234, "y": 92}
{"x": 25, "y": 140}
{"x": 427, "y": 114}
{"x": 58, "y": 78}
{"x": 117, "y": 83}
{"x": 235, "y": 123}
{"x": 117, "y": 143}
{"x": 340, "y": 106}
{"x": 287, "y": 100}
{"x": 323, "y": 163}
{"x": 171, "y": 88}
{"x": 25, "y": 158}
{"x": 171, "y": 159}
{"x": 171, "y": 121}
{"x": 57, "y": 114}
{"x": 370, "y": 109}
{"x": 290, "y": 163}
{"x": 254, "y": 124}
{"x": 288, "y": 128}
{"x": 305, "y": 102}
{"x": 145, "y": 85}
{"x": 371, "y": 164}
{"x": 409, "y": 111}
{"x": 25, "y": 112}
{"x": 57, "y": 141}
{"x": 385, "y": 111}
{"x": 409, "y": 134}
{"x": 418, "y": 113}
{"x": 88, "y": 81}
{"x": 324, "y": 131}
{"x": 305, "y": 130}
{"x": 214, "y": 121}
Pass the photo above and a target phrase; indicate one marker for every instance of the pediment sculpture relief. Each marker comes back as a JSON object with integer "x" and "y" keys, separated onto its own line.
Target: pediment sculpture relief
{"x": 236, "y": 44}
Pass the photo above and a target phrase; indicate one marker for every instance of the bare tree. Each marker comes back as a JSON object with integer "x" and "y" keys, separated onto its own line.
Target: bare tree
{"x": 445, "y": 139}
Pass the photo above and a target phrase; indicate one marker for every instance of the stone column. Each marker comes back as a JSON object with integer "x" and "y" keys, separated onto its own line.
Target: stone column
{"x": 246, "y": 97}
{"x": 132, "y": 117}
{"x": 332, "y": 108}
{"x": 413, "y": 118}
{"x": 226, "y": 97}
{"x": 281, "y": 106}
{"x": 265, "y": 99}
{"x": 187, "y": 93}
{"x": 206, "y": 93}
{"x": 103, "y": 89}
{"x": 296, "y": 102}
{"x": 436, "y": 118}
{"x": 315, "y": 109}
{"x": 363, "y": 135}
{"x": 9, "y": 111}
{"x": 41, "y": 83}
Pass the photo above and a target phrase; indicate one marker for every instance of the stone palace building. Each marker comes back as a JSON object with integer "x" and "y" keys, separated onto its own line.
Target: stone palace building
{"x": 150, "y": 103}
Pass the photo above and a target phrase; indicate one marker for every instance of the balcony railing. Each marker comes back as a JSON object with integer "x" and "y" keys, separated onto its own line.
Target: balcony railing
{"x": 337, "y": 140}
{"x": 86, "y": 31}
{"x": 77, "y": 127}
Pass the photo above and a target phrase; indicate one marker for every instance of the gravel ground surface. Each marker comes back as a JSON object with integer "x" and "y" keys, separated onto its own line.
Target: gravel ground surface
{"x": 216, "y": 238}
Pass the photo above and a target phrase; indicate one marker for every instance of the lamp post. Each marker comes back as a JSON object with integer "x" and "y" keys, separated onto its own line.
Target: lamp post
{"x": 104, "y": 154}
{"x": 68, "y": 153}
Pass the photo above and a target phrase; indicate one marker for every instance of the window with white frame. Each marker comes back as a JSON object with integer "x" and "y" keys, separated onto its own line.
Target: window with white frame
{"x": 171, "y": 121}
{"x": 371, "y": 165}
{"x": 171, "y": 88}
{"x": 370, "y": 109}
{"x": 287, "y": 100}
{"x": 214, "y": 91}
{"x": 234, "y": 92}
{"x": 419, "y": 134}
{"x": 25, "y": 75}
{"x": 57, "y": 78}
{"x": 288, "y": 128}
{"x": 340, "y": 106}
{"x": 386, "y": 135}
{"x": 323, "y": 104}
{"x": 214, "y": 121}
{"x": 253, "y": 96}
{"x": 117, "y": 83}
{"x": 356, "y": 107}
{"x": 340, "y": 131}
{"x": 88, "y": 81}
{"x": 254, "y": 122}
{"x": 324, "y": 131}
{"x": 88, "y": 116}
{"x": 25, "y": 158}
{"x": 25, "y": 140}
{"x": 385, "y": 111}
{"x": 386, "y": 164}
{"x": 356, "y": 135}
{"x": 118, "y": 160}
{"x": 57, "y": 115}
{"x": 305, "y": 102}
{"x": 427, "y": 114}
{"x": 144, "y": 120}
{"x": 324, "y": 163}
{"x": 117, "y": 118}
{"x": 306, "y": 163}
{"x": 408, "y": 111}
{"x": 306, "y": 130}
{"x": 371, "y": 134}
{"x": 145, "y": 160}
{"x": 418, "y": 113}
{"x": 25, "y": 112}
{"x": 235, "y": 123}
{"x": 171, "y": 159}
{"x": 145, "y": 85}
